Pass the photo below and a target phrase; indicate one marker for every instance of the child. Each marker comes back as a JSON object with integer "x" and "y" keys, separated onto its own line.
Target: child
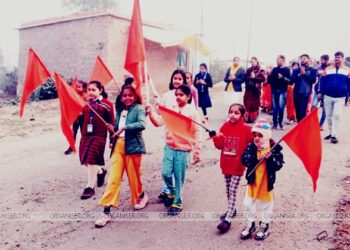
{"x": 203, "y": 82}
{"x": 127, "y": 149}
{"x": 194, "y": 92}
{"x": 259, "y": 195}
{"x": 233, "y": 138}
{"x": 80, "y": 88}
{"x": 93, "y": 140}
{"x": 177, "y": 151}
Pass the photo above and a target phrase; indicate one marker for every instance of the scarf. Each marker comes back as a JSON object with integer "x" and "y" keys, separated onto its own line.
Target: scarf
{"x": 233, "y": 71}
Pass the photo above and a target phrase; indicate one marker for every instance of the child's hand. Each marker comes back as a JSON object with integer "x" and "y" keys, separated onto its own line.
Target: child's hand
{"x": 212, "y": 133}
{"x": 196, "y": 158}
{"x": 148, "y": 109}
{"x": 116, "y": 134}
{"x": 110, "y": 127}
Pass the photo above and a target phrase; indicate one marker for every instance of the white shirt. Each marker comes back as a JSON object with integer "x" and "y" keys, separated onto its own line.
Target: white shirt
{"x": 122, "y": 122}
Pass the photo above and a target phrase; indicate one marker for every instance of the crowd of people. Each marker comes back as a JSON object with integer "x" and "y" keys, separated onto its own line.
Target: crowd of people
{"x": 245, "y": 149}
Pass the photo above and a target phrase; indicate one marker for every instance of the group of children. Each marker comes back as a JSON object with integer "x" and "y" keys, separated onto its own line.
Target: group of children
{"x": 243, "y": 148}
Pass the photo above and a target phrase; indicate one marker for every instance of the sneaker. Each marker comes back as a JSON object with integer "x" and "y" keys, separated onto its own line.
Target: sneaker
{"x": 103, "y": 220}
{"x": 174, "y": 210}
{"x": 169, "y": 200}
{"x": 87, "y": 193}
{"x": 224, "y": 226}
{"x": 68, "y": 151}
{"x": 328, "y": 137}
{"x": 263, "y": 231}
{"x": 101, "y": 178}
{"x": 334, "y": 140}
{"x": 248, "y": 231}
{"x": 162, "y": 196}
{"x": 223, "y": 216}
{"x": 281, "y": 127}
{"x": 141, "y": 202}
{"x": 274, "y": 128}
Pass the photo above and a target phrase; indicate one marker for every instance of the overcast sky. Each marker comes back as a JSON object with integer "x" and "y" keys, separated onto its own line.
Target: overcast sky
{"x": 289, "y": 27}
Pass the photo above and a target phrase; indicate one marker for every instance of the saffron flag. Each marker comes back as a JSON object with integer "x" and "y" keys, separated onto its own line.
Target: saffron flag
{"x": 71, "y": 105}
{"x": 100, "y": 72}
{"x": 135, "y": 53}
{"x": 305, "y": 141}
{"x": 75, "y": 82}
{"x": 36, "y": 74}
{"x": 180, "y": 125}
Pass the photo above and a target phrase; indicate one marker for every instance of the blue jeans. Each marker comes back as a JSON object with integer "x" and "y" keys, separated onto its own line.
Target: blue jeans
{"x": 315, "y": 102}
{"x": 300, "y": 103}
{"x": 278, "y": 105}
{"x": 175, "y": 163}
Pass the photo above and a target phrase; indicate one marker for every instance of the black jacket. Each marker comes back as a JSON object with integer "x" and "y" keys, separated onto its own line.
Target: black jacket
{"x": 279, "y": 83}
{"x": 273, "y": 164}
{"x": 303, "y": 83}
{"x": 237, "y": 82}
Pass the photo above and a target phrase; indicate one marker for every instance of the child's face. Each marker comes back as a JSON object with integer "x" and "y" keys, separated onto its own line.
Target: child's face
{"x": 93, "y": 91}
{"x": 258, "y": 138}
{"x": 128, "y": 98}
{"x": 79, "y": 88}
{"x": 177, "y": 80}
{"x": 181, "y": 98}
{"x": 188, "y": 79}
{"x": 234, "y": 114}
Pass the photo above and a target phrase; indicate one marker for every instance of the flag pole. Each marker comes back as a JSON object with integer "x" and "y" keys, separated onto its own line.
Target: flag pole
{"x": 263, "y": 158}
{"x": 97, "y": 114}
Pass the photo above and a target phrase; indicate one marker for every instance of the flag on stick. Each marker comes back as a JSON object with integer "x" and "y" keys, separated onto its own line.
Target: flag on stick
{"x": 100, "y": 72}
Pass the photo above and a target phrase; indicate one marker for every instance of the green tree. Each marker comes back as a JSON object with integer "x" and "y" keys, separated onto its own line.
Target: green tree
{"x": 89, "y": 5}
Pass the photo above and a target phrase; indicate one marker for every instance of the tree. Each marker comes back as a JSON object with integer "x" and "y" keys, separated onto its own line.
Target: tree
{"x": 89, "y": 5}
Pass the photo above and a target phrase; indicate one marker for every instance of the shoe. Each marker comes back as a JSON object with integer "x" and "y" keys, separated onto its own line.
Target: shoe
{"x": 101, "y": 178}
{"x": 68, "y": 151}
{"x": 248, "y": 231}
{"x": 274, "y": 128}
{"x": 281, "y": 127}
{"x": 334, "y": 140}
{"x": 162, "y": 196}
{"x": 321, "y": 128}
{"x": 168, "y": 201}
{"x": 174, "y": 210}
{"x": 328, "y": 137}
{"x": 141, "y": 202}
{"x": 223, "y": 216}
{"x": 224, "y": 226}
{"x": 263, "y": 231}
{"x": 87, "y": 193}
{"x": 103, "y": 220}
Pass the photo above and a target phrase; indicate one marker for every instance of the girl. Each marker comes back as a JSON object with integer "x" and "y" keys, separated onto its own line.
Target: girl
{"x": 254, "y": 79}
{"x": 93, "y": 140}
{"x": 291, "y": 116}
{"x": 194, "y": 92}
{"x": 178, "y": 78}
{"x": 259, "y": 194}
{"x": 80, "y": 88}
{"x": 203, "y": 82}
{"x": 233, "y": 138}
{"x": 127, "y": 149}
{"x": 177, "y": 151}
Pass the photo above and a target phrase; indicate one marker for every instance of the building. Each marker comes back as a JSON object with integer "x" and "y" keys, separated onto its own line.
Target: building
{"x": 70, "y": 44}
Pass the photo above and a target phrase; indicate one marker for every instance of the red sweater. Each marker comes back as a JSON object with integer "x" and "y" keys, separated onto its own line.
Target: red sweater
{"x": 232, "y": 141}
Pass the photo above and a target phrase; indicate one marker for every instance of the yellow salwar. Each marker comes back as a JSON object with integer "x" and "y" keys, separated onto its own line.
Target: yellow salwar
{"x": 120, "y": 162}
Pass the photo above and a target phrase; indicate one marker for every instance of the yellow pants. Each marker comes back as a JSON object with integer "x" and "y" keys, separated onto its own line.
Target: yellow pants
{"x": 120, "y": 162}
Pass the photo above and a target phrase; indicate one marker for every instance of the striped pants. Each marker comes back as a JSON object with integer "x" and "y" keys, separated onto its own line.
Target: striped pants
{"x": 232, "y": 183}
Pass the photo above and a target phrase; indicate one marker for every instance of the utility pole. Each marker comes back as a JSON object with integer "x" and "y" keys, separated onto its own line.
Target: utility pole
{"x": 250, "y": 31}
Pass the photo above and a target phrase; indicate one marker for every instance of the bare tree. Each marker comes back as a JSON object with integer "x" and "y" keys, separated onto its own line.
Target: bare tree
{"x": 89, "y": 5}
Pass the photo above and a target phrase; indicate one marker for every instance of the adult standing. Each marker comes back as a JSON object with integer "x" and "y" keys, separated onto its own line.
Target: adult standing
{"x": 203, "y": 82}
{"x": 254, "y": 79}
{"x": 279, "y": 80}
{"x": 335, "y": 86}
{"x": 234, "y": 78}
{"x": 303, "y": 79}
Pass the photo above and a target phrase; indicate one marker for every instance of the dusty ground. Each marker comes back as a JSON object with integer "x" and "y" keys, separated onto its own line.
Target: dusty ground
{"x": 36, "y": 178}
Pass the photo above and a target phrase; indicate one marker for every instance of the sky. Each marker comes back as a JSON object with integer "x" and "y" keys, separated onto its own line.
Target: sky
{"x": 289, "y": 27}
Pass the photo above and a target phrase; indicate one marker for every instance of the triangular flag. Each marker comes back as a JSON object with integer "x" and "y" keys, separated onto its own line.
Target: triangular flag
{"x": 74, "y": 82}
{"x": 135, "y": 53}
{"x": 71, "y": 105}
{"x": 100, "y": 72}
{"x": 305, "y": 141}
{"x": 180, "y": 125}
{"x": 36, "y": 74}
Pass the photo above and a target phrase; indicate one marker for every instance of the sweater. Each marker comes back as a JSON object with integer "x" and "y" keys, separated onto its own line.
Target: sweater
{"x": 336, "y": 82}
{"x": 276, "y": 83}
{"x": 232, "y": 141}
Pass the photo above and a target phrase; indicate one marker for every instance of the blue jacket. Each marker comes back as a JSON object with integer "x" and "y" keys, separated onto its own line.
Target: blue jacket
{"x": 303, "y": 83}
{"x": 237, "y": 82}
{"x": 336, "y": 83}
{"x": 135, "y": 124}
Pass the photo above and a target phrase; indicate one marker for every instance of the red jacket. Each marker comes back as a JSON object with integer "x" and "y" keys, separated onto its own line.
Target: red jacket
{"x": 232, "y": 141}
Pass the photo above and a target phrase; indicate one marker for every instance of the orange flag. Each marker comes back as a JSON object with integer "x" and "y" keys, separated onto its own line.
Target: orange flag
{"x": 182, "y": 126}
{"x": 135, "y": 53}
{"x": 71, "y": 105}
{"x": 305, "y": 141}
{"x": 100, "y": 72}
{"x": 36, "y": 74}
{"x": 74, "y": 82}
